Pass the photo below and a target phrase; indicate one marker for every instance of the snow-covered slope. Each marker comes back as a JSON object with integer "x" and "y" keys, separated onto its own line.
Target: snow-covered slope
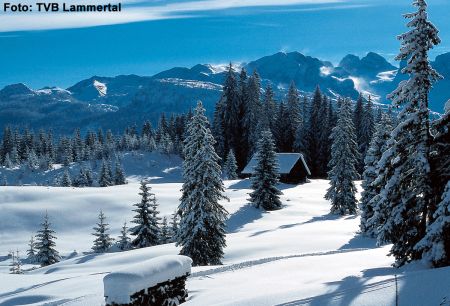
{"x": 299, "y": 255}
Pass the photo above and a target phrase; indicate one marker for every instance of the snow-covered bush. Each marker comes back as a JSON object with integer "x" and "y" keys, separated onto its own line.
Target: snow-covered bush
{"x": 158, "y": 281}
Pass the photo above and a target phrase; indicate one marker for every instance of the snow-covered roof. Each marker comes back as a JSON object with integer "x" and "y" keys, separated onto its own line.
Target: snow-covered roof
{"x": 286, "y": 161}
{"x": 121, "y": 284}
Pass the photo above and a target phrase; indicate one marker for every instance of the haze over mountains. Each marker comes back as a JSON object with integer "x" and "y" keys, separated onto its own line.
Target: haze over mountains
{"x": 117, "y": 102}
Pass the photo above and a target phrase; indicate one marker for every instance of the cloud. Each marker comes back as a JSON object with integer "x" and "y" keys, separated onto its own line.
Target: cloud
{"x": 134, "y": 11}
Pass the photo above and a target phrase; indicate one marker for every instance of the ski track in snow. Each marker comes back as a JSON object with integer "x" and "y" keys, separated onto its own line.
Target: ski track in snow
{"x": 251, "y": 263}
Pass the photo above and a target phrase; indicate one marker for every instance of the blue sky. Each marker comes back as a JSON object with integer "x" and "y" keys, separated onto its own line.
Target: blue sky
{"x": 59, "y": 50}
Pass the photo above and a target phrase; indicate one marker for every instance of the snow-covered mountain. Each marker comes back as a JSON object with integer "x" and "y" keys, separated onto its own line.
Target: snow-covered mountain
{"x": 115, "y": 102}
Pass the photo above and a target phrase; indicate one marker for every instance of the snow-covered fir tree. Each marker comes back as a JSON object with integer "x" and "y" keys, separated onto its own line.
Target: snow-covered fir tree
{"x": 230, "y": 167}
{"x": 105, "y": 178}
{"x": 435, "y": 246}
{"x": 294, "y": 115}
{"x": 344, "y": 158}
{"x": 31, "y": 252}
{"x": 365, "y": 135}
{"x": 201, "y": 233}
{"x": 45, "y": 244}
{"x": 408, "y": 190}
{"x": 265, "y": 193}
{"x": 146, "y": 231}
{"x": 103, "y": 241}
{"x": 440, "y": 158}
{"x": 173, "y": 227}
{"x": 8, "y": 163}
{"x": 16, "y": 264}
{"x": 123, "y": 241}
{"x": 66, "y": 181}
{"x": 119, "y": 174}
{"x": 371, "y": 171}
{"x": 252, "y": 112}
{"x": 312, "y": 138}
{"x": 165, "y": 236}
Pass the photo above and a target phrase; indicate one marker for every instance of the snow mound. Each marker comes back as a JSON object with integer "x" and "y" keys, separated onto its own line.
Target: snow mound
{"x": 121, "y": 284}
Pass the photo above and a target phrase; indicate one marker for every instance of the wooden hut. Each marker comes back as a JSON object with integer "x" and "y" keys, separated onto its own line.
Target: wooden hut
{"x": 292, "y": 167}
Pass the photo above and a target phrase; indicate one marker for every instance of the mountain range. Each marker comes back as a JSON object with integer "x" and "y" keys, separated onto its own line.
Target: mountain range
{"x": 116, "y": 102}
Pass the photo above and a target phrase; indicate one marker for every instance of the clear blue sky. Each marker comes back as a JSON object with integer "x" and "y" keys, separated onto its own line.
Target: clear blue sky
{"x": 152, "y": 36}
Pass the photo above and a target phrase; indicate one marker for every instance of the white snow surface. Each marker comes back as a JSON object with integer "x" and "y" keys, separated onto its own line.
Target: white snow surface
{"x": 101, "y": 88}
{"x": 121, "y": 284}
{"x": 298, "y": 255}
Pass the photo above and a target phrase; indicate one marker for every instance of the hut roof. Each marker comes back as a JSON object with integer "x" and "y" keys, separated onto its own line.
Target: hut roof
{"x": 286, "y": 161}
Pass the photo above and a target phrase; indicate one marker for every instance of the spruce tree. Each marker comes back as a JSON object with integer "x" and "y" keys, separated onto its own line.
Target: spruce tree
{"x": 435, "y": 246}
{"x": 371, "y": 172}
{"x": 165, "y": 236}
{"x": 294, "y": 116}
{"x": 253, "y": 113}
{"x": 123, "y": 241}
{"x": 66, "y": 181}
{"x": 119, "y": 175}
{"x": 344, "y": 155}
{"x": 201, "y": 231}
{"x": 16, "y": 264}
{"x": 103, "y": 241}
{"x": 314, "y": 127}
{"x": 265, "y": 193}
{"x": 230, "y": 167}
{"x": 146, "y": 231}
{"x": 366, "y": 132}
{"x": 45, "y": 244}
{"x": 409, "y": 190}
{"x": 440, "y": 159}
{"x": 173, "y": 227}
{"x": 105, "y": 178}
{"x": 31, "y": 252}
{"x": 233, "y": 116}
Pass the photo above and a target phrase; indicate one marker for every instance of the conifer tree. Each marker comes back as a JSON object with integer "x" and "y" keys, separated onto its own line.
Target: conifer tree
{"x": 282, "y": 129}
{"x": 366, "y": 132}
{"x": 435, "y": 246}
{"x": 371, "y": 172}
{"x": 119, "y": 176}
{"x": 123, "y": 241}
{"x": 146, "y": 231}
{"x": 201, "y": 231}
{"x": 45, "y": 244}
{"x": 312, "y": 139}
{"x": 66, "y": 181}
{"x": 16, "y": 264}
{"x": 265, "y": 193}
{"x": 8, "y": 163}
{"x": 105, "y": 178}
{"x": 230, "y": 167}
{"x": 31, "y": 252}
{"x": 103, "y": 241}
{"x": 165, "y": 236}
{"x": 253, "y": 113}
{"x": 410, "y": 195}
{"x": 233, "y": 115}
{"x": 440, "y": 159}
{"x": 173, "y": 227}
{"x": 344, "y": 154}
{"x": 294, "y": 116}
